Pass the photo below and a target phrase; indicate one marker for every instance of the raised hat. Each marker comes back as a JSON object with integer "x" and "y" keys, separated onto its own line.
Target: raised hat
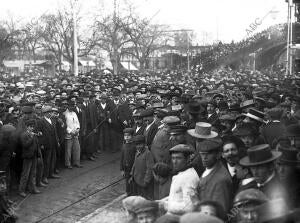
{"x": 258, "y": 155}
{"x": 203, "y": 131}
{"x": 181, "y": 148}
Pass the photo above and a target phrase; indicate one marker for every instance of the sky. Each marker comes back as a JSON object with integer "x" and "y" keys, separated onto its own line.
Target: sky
{"x": 211, "y": 20}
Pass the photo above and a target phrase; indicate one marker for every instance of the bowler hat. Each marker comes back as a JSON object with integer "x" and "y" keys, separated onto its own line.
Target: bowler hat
{"x": 195, "y": 108}
{"x": 293, "y": 130}
{"x": 147, "y": 113}
{"x": 203, "y": 131}
{"x": 46, "y": 109}
{"x": 258, "y": 155}
{"x": 290, "y": 156}
{"x": 168, "y": 218}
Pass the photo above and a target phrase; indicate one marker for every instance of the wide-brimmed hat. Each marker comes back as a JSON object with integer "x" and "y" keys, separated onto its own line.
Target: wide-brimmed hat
{"x": 247, "y": 104}
{"x": 256, "y": 115}
{"x": 203, "y": 131}
{"x": 258, "y": 155}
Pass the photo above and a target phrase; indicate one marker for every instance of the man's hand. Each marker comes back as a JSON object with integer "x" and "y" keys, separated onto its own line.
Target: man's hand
{"x": 109, "y": 120}
{"x": 122, "y": 173}
{"x": 125, "y": 122}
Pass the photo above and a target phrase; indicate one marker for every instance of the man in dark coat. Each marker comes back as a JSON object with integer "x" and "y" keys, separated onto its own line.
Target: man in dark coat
{"x": 119, "y": 119}
{"x": 215, "y": 182}
{"x": 151, "y": 127}
{"x": 138, "y": 126}
{"x": 48, "y": 142}
{"x": 261, "y": 161}
{"x": 104, "y": 109}
{"x": 91, "y": 129}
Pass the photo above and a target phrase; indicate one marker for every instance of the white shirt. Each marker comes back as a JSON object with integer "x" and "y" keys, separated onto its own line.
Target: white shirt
{"x": 232, "y": 170}
{"x": 148, "y": 126}
{"x": 207, "y": 172}
{"x": 48, "y": 120}
{"x": 183, "y": 192}
{"x": 72, "y": 121}
{"x": 103, "y": 105}
{"x": 137, "y": 128}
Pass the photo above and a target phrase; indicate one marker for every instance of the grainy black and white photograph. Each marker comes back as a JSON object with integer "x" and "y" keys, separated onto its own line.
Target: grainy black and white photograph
{"x": 150, "y": 111}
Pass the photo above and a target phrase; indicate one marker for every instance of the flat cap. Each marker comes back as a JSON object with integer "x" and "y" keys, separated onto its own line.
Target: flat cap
{"x": 147, "y": 113}
{"x": 132, "y": 202}
{"x": 210, "y": 145}
{"x": 249, "y": 196}
{"x": 128, "y": 130}
{"x": 171, "y": 120}
{"x": 181, "y": 148}
{"x": 146, "y": 205}
{"x": 195, "y": 217}
{"x": 46, "y": 108}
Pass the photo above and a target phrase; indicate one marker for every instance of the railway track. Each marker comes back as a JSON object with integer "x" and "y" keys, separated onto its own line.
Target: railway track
{"x": 80, "y": 200}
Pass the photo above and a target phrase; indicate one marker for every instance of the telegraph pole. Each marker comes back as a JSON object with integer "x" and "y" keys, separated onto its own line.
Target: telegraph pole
{"x": 75, "y": 47}
{"x": 115, "y": 52}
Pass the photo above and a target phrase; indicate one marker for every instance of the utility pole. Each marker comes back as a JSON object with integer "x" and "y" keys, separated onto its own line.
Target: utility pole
{"x": 75, "y": 47}
{"x": 115, "y": 50}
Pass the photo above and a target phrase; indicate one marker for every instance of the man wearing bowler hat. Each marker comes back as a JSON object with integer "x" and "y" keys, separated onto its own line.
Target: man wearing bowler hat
{"x": 261, "y": 161}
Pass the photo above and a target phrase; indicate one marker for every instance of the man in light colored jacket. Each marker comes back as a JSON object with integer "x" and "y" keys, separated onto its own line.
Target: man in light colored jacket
{"x": 72, "y": 146}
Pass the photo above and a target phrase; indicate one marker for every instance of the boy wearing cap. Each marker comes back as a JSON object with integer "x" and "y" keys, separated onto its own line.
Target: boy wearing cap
{"x": 127, "y": 158}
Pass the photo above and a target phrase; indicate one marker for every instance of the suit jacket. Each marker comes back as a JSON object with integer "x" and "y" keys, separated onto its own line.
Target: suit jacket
{"x": 81, "y": 114}
{"x": 142, "y": 168}
{"x": 237, "y": 178}
{"x": 119, "y": 113}
{"x": 140, "y": 131}
{"x": 160, "y": 146}
{"x": 150, "y": 134}
{"x": 48, "y": 138}
{"x": 29, "y": 145}
{"x": 91, "y": 116}
{"x": 217, "y": 186}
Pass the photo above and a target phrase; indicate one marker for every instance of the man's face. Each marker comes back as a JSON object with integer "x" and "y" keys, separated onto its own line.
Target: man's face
{"x": 247, "y": 214}
{"x": 261, "y": 172}
{"x": 179, "y": 161}
{"x": 146, "y": 217}
{"x": 209, "y": 159}
{"x": 148, "y": 120}
{"x": 248, "y": 140}
{"x": 210, "y": 109}
{"x": 284, "y": 171}
{"x": 230, "y": 153}
{"x": 208, "y": 210}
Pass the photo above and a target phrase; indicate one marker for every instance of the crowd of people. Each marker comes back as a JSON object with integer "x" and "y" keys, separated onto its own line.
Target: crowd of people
{"x": 209, "y": 147}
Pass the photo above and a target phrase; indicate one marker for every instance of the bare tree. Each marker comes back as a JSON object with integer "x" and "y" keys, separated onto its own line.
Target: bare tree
{"x": 9, "y": 34}
{"x": 145, "y": 38}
